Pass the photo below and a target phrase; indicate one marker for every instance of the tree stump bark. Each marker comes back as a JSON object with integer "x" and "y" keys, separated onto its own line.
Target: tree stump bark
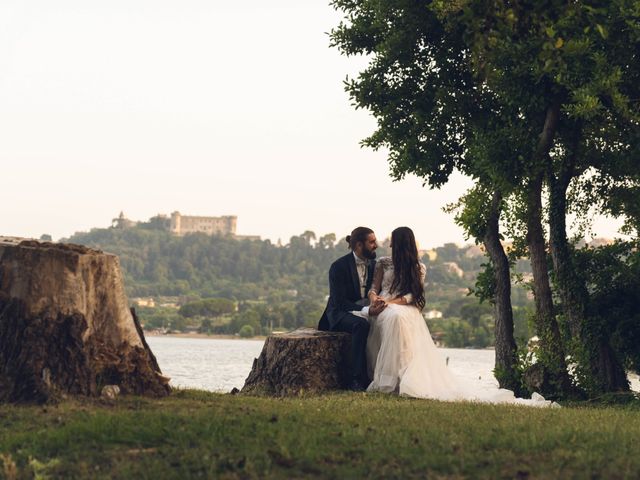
{"x": 305, "y": 359}
{"x": 66, "y": 327}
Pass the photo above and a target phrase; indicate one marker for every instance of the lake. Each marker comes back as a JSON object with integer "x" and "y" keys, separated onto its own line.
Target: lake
{"x": 220, "y": 365}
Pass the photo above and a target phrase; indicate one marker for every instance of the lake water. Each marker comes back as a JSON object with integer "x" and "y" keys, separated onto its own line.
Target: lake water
{"x": 220, "y": 365}
{"x": 207, "y": 364}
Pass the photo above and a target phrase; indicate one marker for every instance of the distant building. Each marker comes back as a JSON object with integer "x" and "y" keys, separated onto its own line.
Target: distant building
{"x": 431, "y": 314}
{"x": 173, "y": 305}
{"x": 452, "y": 267}
{"x": 144, "y": 302}
{"x": 122, "y": 222}
{"x": 182, "y": 224}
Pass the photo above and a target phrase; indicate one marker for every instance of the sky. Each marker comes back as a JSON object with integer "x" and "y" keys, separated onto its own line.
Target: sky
{"x": 200, "y": 106}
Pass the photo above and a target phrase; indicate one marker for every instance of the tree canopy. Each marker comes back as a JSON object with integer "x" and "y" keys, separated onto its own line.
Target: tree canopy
{"x": 538, "y": 102}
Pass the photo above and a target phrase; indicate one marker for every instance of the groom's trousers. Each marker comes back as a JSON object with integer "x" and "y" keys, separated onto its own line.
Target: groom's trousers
{"x": 358, "y": 327}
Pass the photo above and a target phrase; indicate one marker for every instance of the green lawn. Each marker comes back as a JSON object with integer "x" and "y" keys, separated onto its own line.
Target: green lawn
{"x": 196, "y": 434}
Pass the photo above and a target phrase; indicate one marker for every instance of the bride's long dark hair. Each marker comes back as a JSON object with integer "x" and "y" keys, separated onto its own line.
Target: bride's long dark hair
{"x": 406, "y": 266}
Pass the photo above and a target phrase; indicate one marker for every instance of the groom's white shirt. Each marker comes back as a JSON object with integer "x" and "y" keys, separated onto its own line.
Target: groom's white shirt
{"x": 361, "y": 267}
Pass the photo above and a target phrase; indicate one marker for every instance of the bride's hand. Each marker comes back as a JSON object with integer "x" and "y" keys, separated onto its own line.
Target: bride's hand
{"x": 377, "y": 307}
{"x": 373, "y": 298}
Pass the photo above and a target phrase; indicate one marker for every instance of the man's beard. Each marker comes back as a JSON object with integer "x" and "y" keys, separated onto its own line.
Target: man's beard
{"x": 369, "y": 254}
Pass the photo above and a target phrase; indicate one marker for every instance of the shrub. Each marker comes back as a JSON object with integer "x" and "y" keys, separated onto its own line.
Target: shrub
{"x": 246, "y": 331}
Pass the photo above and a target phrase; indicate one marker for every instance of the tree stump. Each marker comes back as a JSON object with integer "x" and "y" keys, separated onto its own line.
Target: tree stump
{"x": 302, "y": 360}
{"x": 66, "y": 327}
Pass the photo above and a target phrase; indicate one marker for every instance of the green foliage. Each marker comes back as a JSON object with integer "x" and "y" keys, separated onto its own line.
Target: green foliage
{"x": 613, "y": 278}
{"x": 158, "y": 264}
{"x": 206, "y": 326}
{"x": 485, "y": 287}
{"x": 177, "y": 324}
{"x": 471, "y": 211}
{"x": 465, "y": 324}
{"x": 515, "y": 95}
{"x": 246, "y": 331}
{"x": 274, "y": 288}
{"x": 462, "y": 333}
{"x": 210, "y": 307}
{"x": 246, "y": 318}
{"x": 158, "y": 318}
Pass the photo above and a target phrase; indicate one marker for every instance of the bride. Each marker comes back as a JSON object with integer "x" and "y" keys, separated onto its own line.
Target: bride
{"x": 401, "y": 355}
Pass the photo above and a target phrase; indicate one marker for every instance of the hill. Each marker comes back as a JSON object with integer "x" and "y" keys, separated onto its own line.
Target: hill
{"x": 277, "y": 286}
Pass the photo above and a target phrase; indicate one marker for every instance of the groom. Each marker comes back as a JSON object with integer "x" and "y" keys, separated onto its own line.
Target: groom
{"x": 347, "y": 310}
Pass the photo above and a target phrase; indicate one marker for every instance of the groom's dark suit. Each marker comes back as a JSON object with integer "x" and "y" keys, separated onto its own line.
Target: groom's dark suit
{"x": 344, "y": 297}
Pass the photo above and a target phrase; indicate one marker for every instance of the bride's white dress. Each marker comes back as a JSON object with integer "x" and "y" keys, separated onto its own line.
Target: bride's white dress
{"x": 402, "y": 358}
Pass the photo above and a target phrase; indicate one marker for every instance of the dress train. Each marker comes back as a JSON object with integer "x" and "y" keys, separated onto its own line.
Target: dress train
{"x": 402, "y": 358}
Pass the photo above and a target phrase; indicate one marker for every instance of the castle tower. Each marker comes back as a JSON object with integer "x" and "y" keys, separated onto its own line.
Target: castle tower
{"x": 175, "y": 223}
{"x": 122, "y": 222}
{"x": 230, "y": 224}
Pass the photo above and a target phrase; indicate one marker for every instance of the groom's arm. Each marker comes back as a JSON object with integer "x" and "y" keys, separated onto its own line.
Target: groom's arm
{"x": 337, "y": 290}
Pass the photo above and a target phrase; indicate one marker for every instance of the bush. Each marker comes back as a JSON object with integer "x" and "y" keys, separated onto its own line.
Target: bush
{"x": 246, "y": 331}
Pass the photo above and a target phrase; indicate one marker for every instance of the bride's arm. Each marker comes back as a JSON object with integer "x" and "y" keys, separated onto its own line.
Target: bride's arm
{"x": 408, "y": 298}
{"x": 403, "y": 300}
{"x": 376, "y": 283}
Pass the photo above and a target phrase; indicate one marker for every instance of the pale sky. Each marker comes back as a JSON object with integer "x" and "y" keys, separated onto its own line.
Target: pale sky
{"x": 202, "y": 106}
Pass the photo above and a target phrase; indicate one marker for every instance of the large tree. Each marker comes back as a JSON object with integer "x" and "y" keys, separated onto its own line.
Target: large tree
{"x": 435, "y": 116}
{"x": 573, "y": 71}
{"x": 527, "y": 98}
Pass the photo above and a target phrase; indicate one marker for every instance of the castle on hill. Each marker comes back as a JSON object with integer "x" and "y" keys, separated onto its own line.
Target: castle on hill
{"x": 181, "y": 225}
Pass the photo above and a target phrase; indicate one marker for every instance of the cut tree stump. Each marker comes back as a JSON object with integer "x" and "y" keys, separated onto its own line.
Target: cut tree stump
{"x": 66, "y": 327}
{"x": 305, "y": 359}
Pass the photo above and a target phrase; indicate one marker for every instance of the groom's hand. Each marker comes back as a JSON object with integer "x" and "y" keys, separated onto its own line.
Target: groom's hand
{"x": 377, "y": 307}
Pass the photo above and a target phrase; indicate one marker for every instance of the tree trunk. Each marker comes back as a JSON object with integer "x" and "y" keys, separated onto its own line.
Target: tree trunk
{"x": 608, "y": 368}
{"x": 66, "y": 328}
{"x": 601, "y": 361}
{"x": 572, "y": 291}
{"x": 303, "y": 360}
{"x": 551, "y": 347}
{"x": 506, "y": 358}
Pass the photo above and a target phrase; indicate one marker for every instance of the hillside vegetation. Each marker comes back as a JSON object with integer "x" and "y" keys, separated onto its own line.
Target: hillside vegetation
{"x": 279, "y": 287}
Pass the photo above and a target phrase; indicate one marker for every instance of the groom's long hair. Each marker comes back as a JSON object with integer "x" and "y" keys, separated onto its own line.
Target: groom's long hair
{"x": 406, "y": 266}
{"x": 359, "y": 234}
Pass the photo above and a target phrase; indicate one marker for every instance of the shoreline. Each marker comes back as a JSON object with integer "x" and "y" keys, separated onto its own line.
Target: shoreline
{"x": 203, "y": 336}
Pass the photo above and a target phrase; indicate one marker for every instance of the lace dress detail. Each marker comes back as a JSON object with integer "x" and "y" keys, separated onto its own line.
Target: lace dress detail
{"x": 383, "y": 279}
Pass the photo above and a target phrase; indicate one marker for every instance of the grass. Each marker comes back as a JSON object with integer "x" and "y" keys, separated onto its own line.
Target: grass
{"x": 195, "y": 434}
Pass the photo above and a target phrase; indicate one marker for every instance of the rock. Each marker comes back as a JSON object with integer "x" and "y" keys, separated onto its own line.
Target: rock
{"x": 304, "y": 360}
{"x": 66, "y": 327}
{"x": 110, "y": 392}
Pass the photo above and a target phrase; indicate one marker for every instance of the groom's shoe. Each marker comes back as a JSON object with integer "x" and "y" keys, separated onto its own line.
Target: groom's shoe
{"x": 357, "y": 386}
